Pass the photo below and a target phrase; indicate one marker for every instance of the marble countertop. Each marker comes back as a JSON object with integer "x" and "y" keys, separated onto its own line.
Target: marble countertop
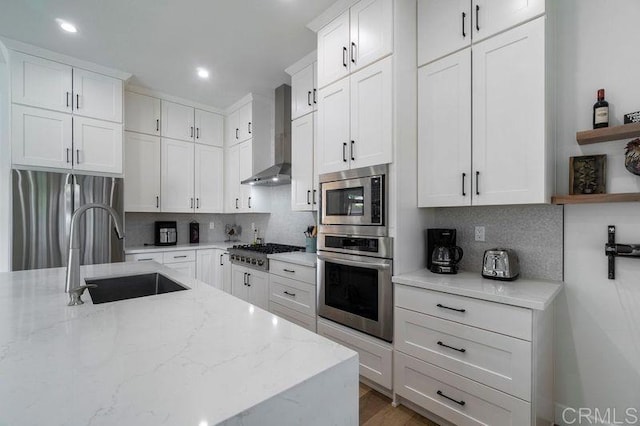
{"x": 298, "y": 258}
{"x": 223, "y": 245}
{"x": 199, "y": 356}
{"x": 527, "y": 293}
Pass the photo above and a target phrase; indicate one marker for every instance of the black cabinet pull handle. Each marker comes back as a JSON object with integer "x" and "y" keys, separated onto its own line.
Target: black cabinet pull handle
{"x": 157, "y": 202}
{"x": 439, "y": 305}
{"x": 464, "y": 175}
{"x": 183, "y": 256}
{"x": 249, "y": 202}
{"x": 344, "y": 56}
{"x": 314, "y": 196}
{"x": 289, "y": 294}
{"x": 344, "y": 152}
{"x": 197, "y": 203}
{"x": 77, "y": 156}
{"x": 190, "y": 203}
{"x": 450, "y": 399}
{"x": 245, "y": 279}
{"x": 237, "y": 203}
{"x": 353, "y": 52}
{"x": 67, "y": 99}
{"x": 157, "y": 124}
{"x": 145, "y": 260}
{"x": 221, "y": 256}
{"x": 309, "y": 98}
{"x": 237, "y": 133}
{"x": 308, "y": 197}
{"x": 249, "y": 280}
{"x": 191, "y": 131}
{"x": 477, "y": 17}
{"x": 464, "y": 16}
{"x": 352, "y": 156}
{"x": 291, "y": 271}
{"x": 67, "y": 155}
{"x": 77, "y": 101}
{"x": 477, "y": 183}
{"x": 451, "y": 347}
{"x": 197, "y": 132}
{"x": 249, "y": 127}
{"x": 315, "y": 98}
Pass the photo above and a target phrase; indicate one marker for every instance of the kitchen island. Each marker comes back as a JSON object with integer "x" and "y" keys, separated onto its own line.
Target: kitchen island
{"x": 197, "y": 357}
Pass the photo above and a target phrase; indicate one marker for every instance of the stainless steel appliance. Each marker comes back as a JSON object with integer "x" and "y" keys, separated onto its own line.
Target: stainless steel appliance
{"x": 255, "y": 255}
{"x": 354, "y": 282}
{"x": 43, "y": 203}
{"x": 500, "y": 264}
{"x": 354, "y": 202}
{"x": 166, "y": 233}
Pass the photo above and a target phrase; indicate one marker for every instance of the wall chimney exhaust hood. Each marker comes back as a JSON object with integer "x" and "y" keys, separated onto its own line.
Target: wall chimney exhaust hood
{"x": 280, "y": 172}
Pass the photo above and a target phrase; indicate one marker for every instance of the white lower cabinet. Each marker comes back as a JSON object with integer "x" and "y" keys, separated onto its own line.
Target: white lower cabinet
{"x": 250, "y": 285}
{"x": 183, "y": 261}
{"x": 292, "y": 293}
{"x": 186, "y": 268}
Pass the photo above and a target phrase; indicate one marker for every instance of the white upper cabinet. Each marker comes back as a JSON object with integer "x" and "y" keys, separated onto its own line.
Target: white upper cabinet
{"x": 209, "y": 186}
{"x": 371, "y": 32}
{"x": 209, "y": 128}
{"x": 303, "y": 92}
{"x": 333, "y": 50}
{"x": 333, "y": 127}
{"x": 509, "y": 120}
{"x": 371, "y": 115}
{"x": 302, "y": 163}
{"x": 97, "y": 145}
{"x": 444, "y": 27}
{"x": 232, "y": 128}
{"x": 142, "y": 113}
{"x": 41, "y": 137}
{"x": 245, "y": 122}
{"x": 41, "y": 83}
{"x": 177, "y": 171}
{"x": 141, "y": 173}
{"x": 444, "y": 132}
{"x": 232, "y": 179}
{"x": 245, "y": 169}
{"x": 177, "y": 121}
{"x": 493, "y": 16}
{"x": 97, "y": 96}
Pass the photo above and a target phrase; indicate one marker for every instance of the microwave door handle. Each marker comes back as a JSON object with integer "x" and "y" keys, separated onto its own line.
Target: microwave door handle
{"x": 367, "y": 264}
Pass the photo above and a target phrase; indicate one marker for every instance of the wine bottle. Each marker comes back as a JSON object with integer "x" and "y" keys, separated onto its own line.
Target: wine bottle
{"x": 601, "y": 111}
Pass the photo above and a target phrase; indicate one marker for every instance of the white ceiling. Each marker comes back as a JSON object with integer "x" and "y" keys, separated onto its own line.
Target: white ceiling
{"x": 246, "y": 44}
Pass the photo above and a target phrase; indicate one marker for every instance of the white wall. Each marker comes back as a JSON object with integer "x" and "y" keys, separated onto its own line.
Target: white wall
{"x": 5, "y": 165}
{"x": 598, "y": 320}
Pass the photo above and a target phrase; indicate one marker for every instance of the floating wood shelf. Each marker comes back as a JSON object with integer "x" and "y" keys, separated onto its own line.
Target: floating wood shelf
{"x": 595, "y": 198}
{"x": 626, "y": 131}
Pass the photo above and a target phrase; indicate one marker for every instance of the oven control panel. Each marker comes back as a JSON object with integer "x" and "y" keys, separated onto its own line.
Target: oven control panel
{"x": 352, "y": 243}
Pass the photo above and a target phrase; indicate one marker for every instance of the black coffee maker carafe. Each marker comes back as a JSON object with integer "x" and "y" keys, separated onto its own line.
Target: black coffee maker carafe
{"x": 443, "y": 255}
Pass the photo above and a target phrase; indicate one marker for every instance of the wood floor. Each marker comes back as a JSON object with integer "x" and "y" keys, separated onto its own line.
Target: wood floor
{"x": 376, "y": 410}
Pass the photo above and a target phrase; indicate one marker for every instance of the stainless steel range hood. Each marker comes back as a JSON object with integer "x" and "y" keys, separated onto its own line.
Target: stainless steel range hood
{"x": 280, "y": 172}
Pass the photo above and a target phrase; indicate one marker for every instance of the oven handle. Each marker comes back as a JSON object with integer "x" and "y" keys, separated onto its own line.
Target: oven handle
{"x": 381, "y": 265}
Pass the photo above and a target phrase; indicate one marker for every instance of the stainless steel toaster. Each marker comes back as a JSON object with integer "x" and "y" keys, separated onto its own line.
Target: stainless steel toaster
{"x": 500, "y": 264}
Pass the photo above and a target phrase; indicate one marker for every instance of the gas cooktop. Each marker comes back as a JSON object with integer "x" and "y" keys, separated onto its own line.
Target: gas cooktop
{"x": 255, "y": 255}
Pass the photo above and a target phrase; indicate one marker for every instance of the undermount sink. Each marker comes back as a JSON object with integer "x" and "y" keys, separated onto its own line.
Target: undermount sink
{"x": 130, "y": 287}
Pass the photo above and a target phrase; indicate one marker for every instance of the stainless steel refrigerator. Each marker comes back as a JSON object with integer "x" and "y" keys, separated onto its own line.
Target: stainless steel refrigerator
{"x": 43, "y": 203}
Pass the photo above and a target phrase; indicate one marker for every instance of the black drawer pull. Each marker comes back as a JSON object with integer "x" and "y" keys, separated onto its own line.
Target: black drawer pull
{"x": 289, "y": 294}
{"x": 439, "y": 305}
{"x": 289, "y": 270}
{"x": 179, "y": 257}
{"x": 451, "y": 347}
{"x": 144, "y": 260}
{"x": 450, "y": 399}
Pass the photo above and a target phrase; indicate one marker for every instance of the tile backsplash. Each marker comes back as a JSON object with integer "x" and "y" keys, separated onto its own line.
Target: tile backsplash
{"x": 535, "y": 232}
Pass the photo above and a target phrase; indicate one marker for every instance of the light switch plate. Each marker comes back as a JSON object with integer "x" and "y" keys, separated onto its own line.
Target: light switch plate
{"x": 479, "y": 233}
{"x": 212, "y": 225}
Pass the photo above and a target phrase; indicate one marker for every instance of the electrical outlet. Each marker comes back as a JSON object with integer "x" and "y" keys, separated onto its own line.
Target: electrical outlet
{"x": 212, "y": 225}
{"x": 479, "y": 233}
{"x": 253, "y": 226}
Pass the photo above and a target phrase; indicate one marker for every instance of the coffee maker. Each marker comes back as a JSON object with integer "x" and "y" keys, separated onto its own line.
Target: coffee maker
{"x": 442, "y": 253}
{"x": 166, "y": 234}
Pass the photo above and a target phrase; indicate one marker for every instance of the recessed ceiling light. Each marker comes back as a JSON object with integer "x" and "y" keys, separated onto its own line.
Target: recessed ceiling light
{"x": 67, "y": 26}
{"x": 275, "y": 179}
{"x": 202, "y": 72}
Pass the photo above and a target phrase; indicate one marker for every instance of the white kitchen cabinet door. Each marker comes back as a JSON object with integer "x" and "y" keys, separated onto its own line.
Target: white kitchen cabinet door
{"x": 444, "y": 27}
{"x": 226, "y": 272}
{"x": 97, "y": 96}
{"x": 141, "y": 173}
{"x": 209, "y": 179}
{"x": 141, "y": 113}
{"x": 41, "y": 137}
{"x": 209, "y": 128}
{"x": 177, "y": 121}
{"x": 302, "y": 163}
{"x": 41, "y": 83}
{"x": 371, "y": 115}
{"x": 258, "y": 285}
{"x": 205, "y": 267}
{"x": 509, "y": 128}
{"x": 493, "y": 16}
{"x": 232, "y": 179}
{"x": 97, "y": 145}
{"x": 239, "y": 286}
{"x": 333, "y": 127}
{"x": 177, "y": 168}
{"x": 232, "y": 128}
{"x": 186, "y": 268}
{"x": 245, "y": 161}
{"x": 371, "y": 32}
{"x": 333, "y": 50}
{"x": 221, "y": 270}
{"x": 245, "y": 122}
{"x": 302, "y": 91}
{"x": 444, "y": 132}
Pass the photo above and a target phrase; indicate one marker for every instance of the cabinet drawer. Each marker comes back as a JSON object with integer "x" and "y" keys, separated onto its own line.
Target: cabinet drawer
{"x": 144, "y": 257}
{"x": 504, "y": 319}
{"x": 295, "y": 317}
{"x": 291, "y": 270}
{"x": 293, "y": 294}
{"x": 493, "y": 359}
{"x": 431, "y": 387}
{"x": 375, "y": 358}
{"x": 179, "y": 256}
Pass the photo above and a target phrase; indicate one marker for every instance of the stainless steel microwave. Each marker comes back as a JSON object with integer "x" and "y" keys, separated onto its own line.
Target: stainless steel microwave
{"x": 354, "y": 201}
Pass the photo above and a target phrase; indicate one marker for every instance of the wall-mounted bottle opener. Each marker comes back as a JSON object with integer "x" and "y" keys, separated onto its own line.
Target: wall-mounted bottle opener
{"x": 613, "y": 250}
